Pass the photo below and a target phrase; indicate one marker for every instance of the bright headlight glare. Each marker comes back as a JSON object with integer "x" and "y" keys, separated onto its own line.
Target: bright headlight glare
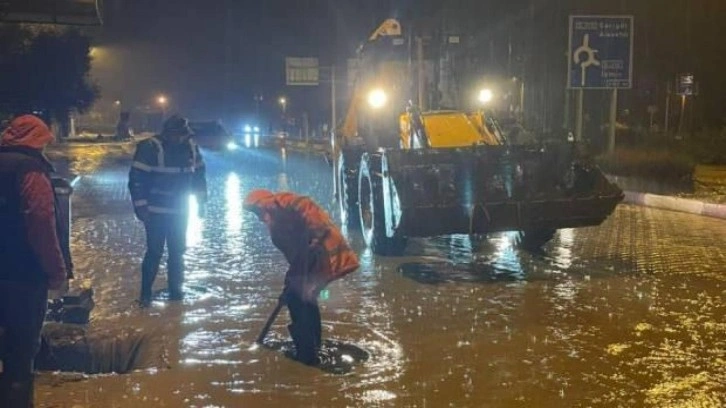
{"x": 377, "y": 98}
{"x": 485, "y": 96}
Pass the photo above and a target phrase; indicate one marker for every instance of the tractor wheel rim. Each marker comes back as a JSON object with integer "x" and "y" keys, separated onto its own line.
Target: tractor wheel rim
{"x": 366, "y": 208}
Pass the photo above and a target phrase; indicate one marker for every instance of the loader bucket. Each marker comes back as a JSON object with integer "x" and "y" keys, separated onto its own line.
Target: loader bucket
{"x": 483, "y": 189}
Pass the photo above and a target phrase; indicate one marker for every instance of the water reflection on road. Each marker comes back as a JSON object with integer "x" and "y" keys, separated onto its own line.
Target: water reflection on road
{"x": 626, "y": 314}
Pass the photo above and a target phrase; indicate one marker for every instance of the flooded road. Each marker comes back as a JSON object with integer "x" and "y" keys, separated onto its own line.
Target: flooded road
{"x": 628, "y": 314}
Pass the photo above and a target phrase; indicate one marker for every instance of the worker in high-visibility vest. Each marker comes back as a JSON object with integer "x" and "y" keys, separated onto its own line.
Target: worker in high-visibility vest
{"x": 166, "y": 170}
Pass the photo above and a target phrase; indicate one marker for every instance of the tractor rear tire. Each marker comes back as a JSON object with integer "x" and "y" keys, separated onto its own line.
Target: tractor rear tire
{"x": 372, "y": 211}
{"x": 346, "y": 171}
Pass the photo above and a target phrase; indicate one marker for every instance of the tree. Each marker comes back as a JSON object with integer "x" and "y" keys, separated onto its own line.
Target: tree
{"x": 45, "y": 71}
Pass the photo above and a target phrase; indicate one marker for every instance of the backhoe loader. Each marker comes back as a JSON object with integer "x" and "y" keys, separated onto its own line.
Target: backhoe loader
{"x": 402, "y": 171}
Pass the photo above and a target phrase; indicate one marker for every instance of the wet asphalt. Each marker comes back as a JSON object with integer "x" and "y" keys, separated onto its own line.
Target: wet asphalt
{"x": 629, "y": 313}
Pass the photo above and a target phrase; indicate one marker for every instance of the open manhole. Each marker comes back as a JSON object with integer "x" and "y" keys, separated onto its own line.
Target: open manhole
{"x": 72, "y": 348}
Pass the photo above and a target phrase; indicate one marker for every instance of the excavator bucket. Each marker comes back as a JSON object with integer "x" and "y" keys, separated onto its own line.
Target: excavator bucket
{"x": 483, "y": 189}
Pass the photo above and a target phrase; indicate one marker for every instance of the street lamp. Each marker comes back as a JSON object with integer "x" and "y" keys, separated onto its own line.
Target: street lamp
{"x": 283, "y": 104}
{"x": 163, "y": 101}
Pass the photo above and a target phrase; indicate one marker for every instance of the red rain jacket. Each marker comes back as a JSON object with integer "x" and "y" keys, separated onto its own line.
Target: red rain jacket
{"x": 315, "y": 248}
{"x": 37, "y": 201}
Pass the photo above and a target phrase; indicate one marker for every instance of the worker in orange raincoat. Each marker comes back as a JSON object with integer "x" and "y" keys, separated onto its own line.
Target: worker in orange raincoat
{"x": 317, "y": 253}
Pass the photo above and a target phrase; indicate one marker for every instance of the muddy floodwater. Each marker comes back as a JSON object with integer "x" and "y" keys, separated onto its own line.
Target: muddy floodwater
{"x": 627, "y": 314}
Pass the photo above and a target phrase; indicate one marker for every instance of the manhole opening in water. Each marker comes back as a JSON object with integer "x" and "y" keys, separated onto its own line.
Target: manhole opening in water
{"x": 71, "y": 348}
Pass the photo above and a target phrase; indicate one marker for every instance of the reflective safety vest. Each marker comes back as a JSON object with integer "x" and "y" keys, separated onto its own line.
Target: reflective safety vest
{"x": 318, "y": 226}
{"x": 164, "y": 175}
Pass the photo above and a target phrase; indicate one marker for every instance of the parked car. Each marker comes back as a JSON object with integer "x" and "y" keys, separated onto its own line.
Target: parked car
{"x": 212, "y": 135}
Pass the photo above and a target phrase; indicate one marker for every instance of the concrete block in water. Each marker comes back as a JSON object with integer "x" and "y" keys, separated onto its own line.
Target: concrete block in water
{"x": 76, "y": 314}
{"x": 74, "y": 308}
{"x": 78, "y": 297}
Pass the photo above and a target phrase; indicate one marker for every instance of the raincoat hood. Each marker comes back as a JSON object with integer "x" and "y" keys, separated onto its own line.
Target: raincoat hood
{"x": 27, "y": 131}
{"x": 257, "y": 199}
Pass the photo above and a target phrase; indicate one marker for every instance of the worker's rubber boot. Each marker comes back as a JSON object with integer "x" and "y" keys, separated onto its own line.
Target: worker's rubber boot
{"x": 305, "y": 350}
{"x": 20, "y": 395}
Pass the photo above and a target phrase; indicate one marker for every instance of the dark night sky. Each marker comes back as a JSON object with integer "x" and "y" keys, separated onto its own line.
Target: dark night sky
{"x": 212, "y": 56}
{"x": 206, "y": 54}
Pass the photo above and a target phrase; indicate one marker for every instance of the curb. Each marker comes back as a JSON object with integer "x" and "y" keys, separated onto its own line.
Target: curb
{"x": 676, "y": 204}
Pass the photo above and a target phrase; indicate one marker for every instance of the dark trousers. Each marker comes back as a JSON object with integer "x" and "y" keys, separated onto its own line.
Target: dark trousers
{"x": 306, "y": 328}
{"x": 169, "y": 230}
{"x": 22, "y": 311}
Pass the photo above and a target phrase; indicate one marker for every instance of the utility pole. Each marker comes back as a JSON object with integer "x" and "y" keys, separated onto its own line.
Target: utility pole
{"x": 566, "y": 117}
{"x": 579, "y": 118}
{"x": 306, "y": 127}
{"x": 521, "y": 99}
{"x": 613, "y": 120}
{"x": 333, "y": 111}
{"x": 333, "y": 124}
{"x": 681, "y": 120}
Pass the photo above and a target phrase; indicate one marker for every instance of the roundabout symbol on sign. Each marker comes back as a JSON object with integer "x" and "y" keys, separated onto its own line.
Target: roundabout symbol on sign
{"x": 589, "y": 57}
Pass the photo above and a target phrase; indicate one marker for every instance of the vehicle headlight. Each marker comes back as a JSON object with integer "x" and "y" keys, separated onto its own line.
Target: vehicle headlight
{"x": 248, "y": 128}
{"x": 485, "y": 95}
{"x": 377, "y": 98}
{"x": 232, "y": 146}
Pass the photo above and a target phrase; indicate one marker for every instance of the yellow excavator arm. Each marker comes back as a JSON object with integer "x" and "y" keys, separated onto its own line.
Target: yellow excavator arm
{"x": 349, "y": 128}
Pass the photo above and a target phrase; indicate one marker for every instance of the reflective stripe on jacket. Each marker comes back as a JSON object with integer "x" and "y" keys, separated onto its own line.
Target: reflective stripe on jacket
{"x": 164, "y": 174}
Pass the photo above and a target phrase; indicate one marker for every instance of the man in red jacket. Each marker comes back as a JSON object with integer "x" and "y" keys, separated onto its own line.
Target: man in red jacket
{"x": 30, "y": 253}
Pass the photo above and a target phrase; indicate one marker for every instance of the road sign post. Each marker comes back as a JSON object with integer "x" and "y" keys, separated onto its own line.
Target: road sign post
{"x": 601, "y": 57}
{"x": 687, "y": 87}
{"x": 306, "y": 72}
